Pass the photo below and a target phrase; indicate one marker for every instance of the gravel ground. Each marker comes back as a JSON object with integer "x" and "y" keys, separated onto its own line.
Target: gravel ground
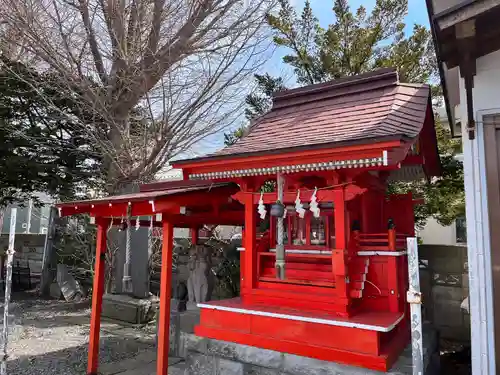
{"x": 51, "y": 337}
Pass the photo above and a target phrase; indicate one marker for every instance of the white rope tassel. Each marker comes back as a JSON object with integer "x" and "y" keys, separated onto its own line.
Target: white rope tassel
{"x": 261, "y": 208}
{"x": 299, "y": 207}
{"x": 137, "y": 223}
{"x": 314, "y": 204}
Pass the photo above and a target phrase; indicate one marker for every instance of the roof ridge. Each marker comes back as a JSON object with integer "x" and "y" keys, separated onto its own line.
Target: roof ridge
{"x": 367, "y": 82}
{"x": 337, "y": 83}
{"x": 379, "y": 74}
{"x": 417, "y": 85}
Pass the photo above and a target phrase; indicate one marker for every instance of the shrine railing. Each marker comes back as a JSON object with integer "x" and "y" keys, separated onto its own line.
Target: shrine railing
{"x": 389, "y": 249}
{"x": 389, "y": 241}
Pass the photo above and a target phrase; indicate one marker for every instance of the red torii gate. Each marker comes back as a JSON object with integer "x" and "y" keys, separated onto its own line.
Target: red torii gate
{"x": 189, "y": 204}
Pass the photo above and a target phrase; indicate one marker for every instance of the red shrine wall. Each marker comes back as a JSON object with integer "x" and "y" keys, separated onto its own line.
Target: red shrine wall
{"x": 372, "y": 203}
{"x": 400, "y": 208}
{"x": 353, "y": 212}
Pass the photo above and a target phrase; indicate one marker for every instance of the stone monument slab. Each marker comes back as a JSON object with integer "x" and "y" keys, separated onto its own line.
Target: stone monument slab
{"x": 129, "y": 309}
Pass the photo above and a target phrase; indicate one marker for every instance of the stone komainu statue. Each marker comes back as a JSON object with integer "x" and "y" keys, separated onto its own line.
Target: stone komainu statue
{"x": 200, "y": 281}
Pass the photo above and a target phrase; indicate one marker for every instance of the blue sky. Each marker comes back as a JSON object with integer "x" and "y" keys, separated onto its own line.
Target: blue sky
{"x": 417, "y": 11}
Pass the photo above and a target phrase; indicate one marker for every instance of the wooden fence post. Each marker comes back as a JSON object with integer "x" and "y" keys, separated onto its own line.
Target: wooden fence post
{"x": 414, "y": 298}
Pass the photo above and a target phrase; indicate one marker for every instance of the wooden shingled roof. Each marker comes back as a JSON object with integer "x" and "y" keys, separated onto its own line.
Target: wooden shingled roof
{"x": 367, "y": 106}
{"x": 357, "y": 109}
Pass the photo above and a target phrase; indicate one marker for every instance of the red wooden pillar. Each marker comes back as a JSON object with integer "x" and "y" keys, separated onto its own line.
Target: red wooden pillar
{"x": 164, "y": 317}
{"x": 392, "y": 239}
{"x": 393, "y": 273}
{"x": 97, "y": 293}
{"x": 249, "y": 272}
{"x": 340, "y": 220}
{"x": 353, "y": 244}
{"x": 194, "y": 235}
{"x": 340, "y": 252}
{"x": 242, "y": 262}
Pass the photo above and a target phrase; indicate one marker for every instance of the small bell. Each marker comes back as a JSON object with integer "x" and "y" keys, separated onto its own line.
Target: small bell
{"x": 278, "y": 209}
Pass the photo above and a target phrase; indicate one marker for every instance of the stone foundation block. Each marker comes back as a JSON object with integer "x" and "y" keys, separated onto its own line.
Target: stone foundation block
{"x": 194, "y": 344}
{"x": 257, "y": 370}
{"x": 245, "y": 354}
{"x": 298, "y": 365}
{"x": 129, "y": 309}
{"x": 227, "y": 367}
{"x": 215, "y": 357}
{"x": 200, "y": 364}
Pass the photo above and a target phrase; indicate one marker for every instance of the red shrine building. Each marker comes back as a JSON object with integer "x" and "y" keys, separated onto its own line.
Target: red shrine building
{"x": 324, "y": 269}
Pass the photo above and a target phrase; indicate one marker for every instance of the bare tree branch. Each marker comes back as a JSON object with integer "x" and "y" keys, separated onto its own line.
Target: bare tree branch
{"x": 84, "y": 11}
{"x": 161, "y": 75}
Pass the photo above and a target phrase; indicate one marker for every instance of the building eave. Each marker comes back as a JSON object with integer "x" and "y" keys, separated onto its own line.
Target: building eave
{"x": 440, "y": 63}
{"x": 283, "y": 151}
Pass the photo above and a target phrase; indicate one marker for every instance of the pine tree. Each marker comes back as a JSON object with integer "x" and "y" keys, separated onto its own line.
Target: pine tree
{"x": 41, "y": 150}
{"x": 259, "y": 102}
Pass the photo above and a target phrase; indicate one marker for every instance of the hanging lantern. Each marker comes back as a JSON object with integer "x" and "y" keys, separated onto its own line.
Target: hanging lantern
{"x": 314, "y": 207}
{"x": 261, "y": 208}
{"x": 277, "y": 209}
{"x": 299, "y": 207}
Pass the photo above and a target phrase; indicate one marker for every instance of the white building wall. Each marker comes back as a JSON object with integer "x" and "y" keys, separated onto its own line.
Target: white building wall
{"x": 434, "y": 233}
{"x": 486, "y": 94}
